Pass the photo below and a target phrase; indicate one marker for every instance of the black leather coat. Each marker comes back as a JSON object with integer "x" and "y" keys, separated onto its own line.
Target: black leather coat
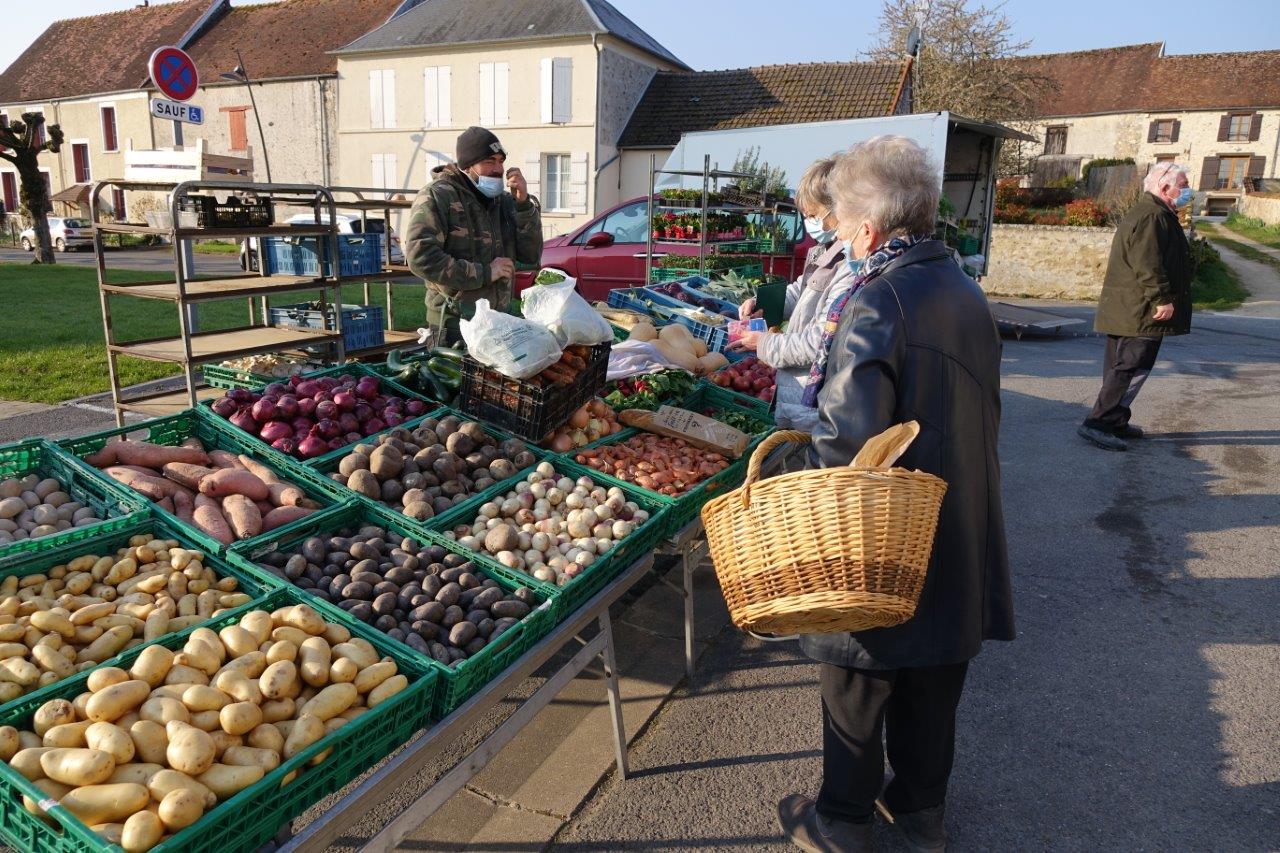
{"x": 918, "y": 343}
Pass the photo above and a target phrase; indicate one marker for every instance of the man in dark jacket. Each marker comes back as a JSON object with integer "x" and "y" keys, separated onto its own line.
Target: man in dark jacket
{"x": 915, "y": 342}
{"x": 466, "y": 233}
{"x": 1145, "y": 296}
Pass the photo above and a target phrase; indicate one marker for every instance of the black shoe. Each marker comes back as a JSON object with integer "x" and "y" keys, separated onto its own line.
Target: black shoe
{"x": 925, "y": 831}
{"x": 809, "y": 831}
{"x": 1105, "y": 440}
{"x": 1129, "y": 431}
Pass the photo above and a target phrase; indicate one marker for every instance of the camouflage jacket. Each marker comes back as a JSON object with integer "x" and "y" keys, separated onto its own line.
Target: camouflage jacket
{"x": 454, "y": 234}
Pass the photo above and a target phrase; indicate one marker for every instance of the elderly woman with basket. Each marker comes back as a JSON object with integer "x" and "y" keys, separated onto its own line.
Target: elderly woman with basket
{"x": 912, "y": 341}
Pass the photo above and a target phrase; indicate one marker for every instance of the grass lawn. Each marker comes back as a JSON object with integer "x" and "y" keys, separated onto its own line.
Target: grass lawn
{"x": 1216, "y": 288}
{"x": 216, "y": 247}
{"x": 1216, "y": 234}
{"x": 51, "y": 342}
{"x": 1254, "y": 229}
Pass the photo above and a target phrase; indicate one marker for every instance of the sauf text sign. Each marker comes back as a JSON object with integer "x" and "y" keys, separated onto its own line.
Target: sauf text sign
{"x": 175, "y": 111}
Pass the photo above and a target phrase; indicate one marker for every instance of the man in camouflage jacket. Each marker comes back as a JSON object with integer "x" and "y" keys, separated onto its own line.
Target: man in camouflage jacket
{"x": 466, "y": 234}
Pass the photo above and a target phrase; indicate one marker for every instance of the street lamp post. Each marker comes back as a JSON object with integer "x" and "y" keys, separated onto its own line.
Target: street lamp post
{"x": 239, "y": 75}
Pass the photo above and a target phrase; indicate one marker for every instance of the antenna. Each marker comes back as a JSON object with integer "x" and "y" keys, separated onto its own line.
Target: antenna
{"x": 913, "y": 42}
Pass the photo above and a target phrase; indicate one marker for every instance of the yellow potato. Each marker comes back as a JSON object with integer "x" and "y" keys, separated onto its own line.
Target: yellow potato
{"x": 248, "y": 756}
{"x": 183, "y": 674}
{"x": 150, "y": 741}
{"x": 164, "y": 710}
{"x": 68, "y": 734}
{"x": 77, "y": 766}
{"x": 289, "y": 634}
{"x": 223, "y": 741}
{"x": 240, "y": 718}
{"x": 278, "y": 678}
{"x": 238, "y": 686}
{"x": 190, "y": 750}
{"x": 27, "y": 740}
{"x": 181, "y": 807}
{"x": 207, "y": 721}
{"x": 142, "y": 831}
{"x": 117, "y": 700}
{"x": 53, "y": 661}
{"x": 331, "y": 701}
{"x": 304, "y": 618}
{"x": 282, "y": 650}
{"x": 168, "y": 691}
{"x": 265, "y": 736}
{"x": 335, "y": 634}
{"x": 305, "y": 731}
{"x": 371, "y": 676}
{"x": 258, "y": 623}
{"x": 167, "y": 781}
{"x": 111, "y": 643}
{"x": 9, "y": 742}
{"x": 101, "y": 679}
{"x": 238, "y": 641}
{"x": 314, "y": 658}
{"x": 251, "y": 665}
{"x": 27, "y": 762}
{"x": 55, "y": 791}
{"x": 55, "y": 712}
{"x": 226, "y": 780}
{"x": 106, "y": 803}
{"x": 9, "y": 691}
{"x": 364, "y": 655}
{"x": 112, "y": 740}
{"x": 386, "y": 690}
{"x": 343, "y": 671}
{"x": 20, "y": 672}
{"x": 152, "y": 665}
{"x": 138, "y": 773}
{"x": 199, "y": 697}
{"x": 54, "y": 621}
{"x": 278, "y": 709}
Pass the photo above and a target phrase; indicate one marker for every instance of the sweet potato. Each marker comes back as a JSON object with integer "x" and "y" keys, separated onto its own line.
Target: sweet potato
{"x": 186, "y": 474}
{"x": 282, "y": 493}
{"x": 283, "y": 515}
{"x": 157, "y": 455}
{"x": 183, "y": 506}
{"x": 224, "y": 459}
{"x": 208, "y": 517}
{"x": 166, "y": 504}
{"x": 264, "y": 507}
{"x": 105, "y": 457}
{"x": 156, "y": 488}
{"x": 234, "y": 481}
{"x": 243, "y": 514}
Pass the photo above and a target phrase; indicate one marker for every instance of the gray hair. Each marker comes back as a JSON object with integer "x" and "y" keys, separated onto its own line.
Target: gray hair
{"x": 1162, "y": 175}
{"x": 813, "y": 193}
{"x": 890, "y": 181}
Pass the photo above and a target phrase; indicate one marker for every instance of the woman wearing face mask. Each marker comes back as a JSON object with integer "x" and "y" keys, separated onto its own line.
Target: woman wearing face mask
{"x": 912, "y": 340}
{"x": 809, "y": 298}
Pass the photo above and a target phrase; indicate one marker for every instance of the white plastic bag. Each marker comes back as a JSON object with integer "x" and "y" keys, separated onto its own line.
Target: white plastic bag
{"x": 513, "y": 347}
{"x": 632, "y": 358}
{"x": 569, "y": 317}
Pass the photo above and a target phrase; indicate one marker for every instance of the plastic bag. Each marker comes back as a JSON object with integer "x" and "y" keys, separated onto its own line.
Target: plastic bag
{"x": 632, "y": 358}
{"x": 513, "y": 347}
{"x": 569, "y": 317}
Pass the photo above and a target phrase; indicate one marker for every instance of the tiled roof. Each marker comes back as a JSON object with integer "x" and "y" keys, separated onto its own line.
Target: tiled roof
{"x": 99, "y": 53}
{"x": 293, "y": 38}
{"x": 445, "y": 22}
{"x": 1140, "y": 78}
{"x": 677, "y": 102}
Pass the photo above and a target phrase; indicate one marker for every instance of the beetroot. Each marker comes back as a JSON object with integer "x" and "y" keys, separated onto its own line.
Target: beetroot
{"x": 274, "y": 431}
{"x": 312, "y": 446}
{"x": 263, "y": 410}
{"x": 244, "y": 420}
{"x": 345, "y": 400}
{"x": 326, "y": 409}
{"x": 225, "y": 407}
{"x": 373, "y": 425}
{"x": 327, "y": 429}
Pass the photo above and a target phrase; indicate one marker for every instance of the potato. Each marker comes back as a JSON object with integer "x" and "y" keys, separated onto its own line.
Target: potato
{"x": 55, "y": 790}
{"x": 149, "y": 741}
{"x": 240, "y": 718}
{"x": 386, "y": 690}
{"x": 237, "y": 686}
{"x": 190, "y": 750}
{"x": 27, "y": 762}
{"x": 315, "y": 656}
{"x": 364, "y": 655}
{"x": 304, "y": 618}
{"x": 112, "y": 740}
{"x": 277, "y": 709}
{"x": 9, "y": 743}
{"x": 251, "y": 665}
{"x": 111, "y": 643}
{"x": 164, "y": 710}
{"x": 68, "y": 734}
{"x": 305, "y": 731}
{"x": 206, "y": 721}
{"x": 180, "y": 808}
{"x": 19, "y": 671}
{"x": 142, "y": 831}
{"x": 77, "y": 766}
{"x": 55, "y": 712}
{"x": 152, "y": 665}
{"x": 265, "y": 736}
{"x": 343, "y": 671}
{"x": 371, "y": 676}
{"x": 201, "y": 697}
{"x": 248, "y": 756}
{"x": 53, "y": 661}
{"x": 280, "y": 677}
{"x": 135, "y": 772}
{"x": 281, "y": 650}
{"x": 183, "y": 674}
{"x": 226, "y": 780}
{"x": 167, "y": 781}
{"x": 106, "y": 803}
{"x": 238, "y": 641}
{"x": 332, "y": 701}
{"x": 258, "y": 623}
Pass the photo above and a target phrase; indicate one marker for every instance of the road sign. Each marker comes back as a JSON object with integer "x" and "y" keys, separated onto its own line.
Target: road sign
{"x": 189, "y": 113}
{"x": 173, "y": 73}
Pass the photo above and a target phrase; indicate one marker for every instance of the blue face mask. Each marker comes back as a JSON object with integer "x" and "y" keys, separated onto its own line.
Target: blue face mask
{"x": 1184, "y": 197}
{"x": 489, "y": 187}
{"x": 855, "y": 264}
{"x": 813, "y": 226}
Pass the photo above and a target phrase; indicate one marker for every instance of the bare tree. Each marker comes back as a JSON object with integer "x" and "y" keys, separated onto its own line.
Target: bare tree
{"x": 21, "y": 143}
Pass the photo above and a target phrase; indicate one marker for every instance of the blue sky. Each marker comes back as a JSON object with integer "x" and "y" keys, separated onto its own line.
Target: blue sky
{"x": 737, "y": 33}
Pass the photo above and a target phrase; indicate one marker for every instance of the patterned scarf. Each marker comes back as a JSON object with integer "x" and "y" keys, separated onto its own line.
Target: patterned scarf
{"x": 873, "y": 264}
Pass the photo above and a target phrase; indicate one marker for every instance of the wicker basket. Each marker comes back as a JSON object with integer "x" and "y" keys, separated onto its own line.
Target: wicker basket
{"x": 819, "y": 551}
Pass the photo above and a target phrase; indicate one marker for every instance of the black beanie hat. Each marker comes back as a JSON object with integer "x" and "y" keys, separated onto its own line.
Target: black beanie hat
{"x": 476, "y": 144}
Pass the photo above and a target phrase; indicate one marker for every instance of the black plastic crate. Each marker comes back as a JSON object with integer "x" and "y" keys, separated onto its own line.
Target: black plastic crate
{"x": 529, "y": 409}
{"x": 232, "y": 213}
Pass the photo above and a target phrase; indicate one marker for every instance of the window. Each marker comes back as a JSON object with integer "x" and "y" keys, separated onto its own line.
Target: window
{"x": 117, "y": 204}
{"x": 1166, "y": 158}
{"x": 382, "y": 99}
{"x": 109, "y": 140}
{"x": 627, "y": 224}
{"x": 555, "y": 182}
{"x": 493, "y": 93}
{"x": 4, "y": 122}
{"x": 40, "y": 136}
{"x": 1238, "y": 127}
{"x": 384, "y": 172}
{"x": 1231, "y": 171}
{"x": 9, "y": 186}
{"x": 437, "y": 82}
{"x": 236, "y": 128}
{"x": 80, "y": 161}
{"x": 1055, "y": 139}
{"x": 557, "y": 83}
{"x": 1164, "y": 130}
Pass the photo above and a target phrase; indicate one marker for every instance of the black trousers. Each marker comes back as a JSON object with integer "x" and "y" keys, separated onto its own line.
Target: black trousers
{"x": 1125, "y": 367}
{"x": 915, "y": 710}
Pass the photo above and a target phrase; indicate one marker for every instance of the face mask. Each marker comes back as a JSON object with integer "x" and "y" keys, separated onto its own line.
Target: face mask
{"x": 813, "y": 226}
{"x": 490, "y": 187}
{"x": 1184, "y": 197}
{"x": 855, "y": 264}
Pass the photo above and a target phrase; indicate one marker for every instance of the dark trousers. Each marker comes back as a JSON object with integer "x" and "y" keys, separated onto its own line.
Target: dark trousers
{"x": 915, "y": 709}
{"x": 1125, "y": 367}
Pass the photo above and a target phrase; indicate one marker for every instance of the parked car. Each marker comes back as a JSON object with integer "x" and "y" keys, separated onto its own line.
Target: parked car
{"x": 609, "y": 251}
{"x": 64, "y": 233}
{"x": 346, "y": 225}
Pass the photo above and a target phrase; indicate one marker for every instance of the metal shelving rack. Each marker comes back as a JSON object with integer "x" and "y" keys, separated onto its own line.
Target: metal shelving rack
{"x": 708, "y": 175}
{"x": 191, "y": 348}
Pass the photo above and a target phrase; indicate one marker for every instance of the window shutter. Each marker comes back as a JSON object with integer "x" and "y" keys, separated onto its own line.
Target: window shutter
{"x": 1257, "y": 165}
{"x": 388, "y": 99}
{"x": 376, "y": 170}
{"x": 375, "y": 100}
{"x": 578, "y": 183}
{"x": 1255, "y": 128}
{"x": 445, "y": 93}
{"x": 390, "y": 172}
{"x": 109, "y": 129}
{"x": 533, "y": 172}
{"x": 1152, "y": 131}
{"x": 1224, "y": 127}
{"x": 547, "y": 93}
{"x": 562, "y": 91}
{"x": 501, "y": 70}
{"x": 1209, "y": 173}
{"x": 431, "y": 96}
{"x": 486, "y": 94}
{"x": 1177, "y": 126}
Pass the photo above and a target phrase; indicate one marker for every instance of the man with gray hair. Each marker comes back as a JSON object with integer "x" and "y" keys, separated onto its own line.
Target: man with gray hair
{"x": 1146, "y": 295}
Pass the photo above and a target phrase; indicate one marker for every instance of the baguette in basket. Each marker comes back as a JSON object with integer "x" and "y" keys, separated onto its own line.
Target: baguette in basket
{"x": 833, "y": 549}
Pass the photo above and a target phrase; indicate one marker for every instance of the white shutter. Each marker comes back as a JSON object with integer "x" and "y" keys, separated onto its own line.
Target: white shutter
{"x": 562, "y": 91}
{"x": 390, "y": 172}
{"x": 578, "y": 183}
{"x": 548, "y": 89}
{"x": 377, "y": 170}
{"x": 375, "y": 99}
{"x": 486, "y": 94}
{"x": 431, "y": 95}
{"x": 533, "y": 172}
{"x": 388, "y": 99}
{"x": 445, "y": 93}
{"x": 501, "y": 70}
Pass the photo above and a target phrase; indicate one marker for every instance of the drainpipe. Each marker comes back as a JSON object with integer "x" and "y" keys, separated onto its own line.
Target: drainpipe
{"x": 324, "y": 132}
{"x": 595, "y": 183}
{"x": 1275, "y": 155}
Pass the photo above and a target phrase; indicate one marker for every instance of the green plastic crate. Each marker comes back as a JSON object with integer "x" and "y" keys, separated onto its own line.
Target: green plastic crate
{"x": 141, "y": 523}
{"x": 114, "y": 503}
{"x": 228, "y": 377}
{"x": 461, "y": 681}
{"x": 252, "y": 817}
{"x": 214, "y": 433}
{"x": 747, "y": 269}
{"x": 708, "y": 395}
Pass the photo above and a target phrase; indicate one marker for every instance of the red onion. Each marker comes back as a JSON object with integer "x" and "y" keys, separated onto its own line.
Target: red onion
{"x": 275, "y": 389}
{"x": 353, "y": 437}
{"x": 413, "y": 408}
{"x": 301, "y": 424}
{"x": 328, "y": 428}
{"x": 373, "y": 425}
{"x": 274, "y": 431}
{"x": 296, "y": 379}
{"x": 244, "y": 420}
{"x": 285, "y": 445}
{"x": 326, "y": 409}
{"x": 394, "y": 403}
{"x": 288, "y": 406}
{"x": 241, "y": 395}
{"x": 312, "y": 446}
{"x": 350, "y": 422}
{"x": 393, "y": 419}
{"x": 308, "y": 388}
{"x": 337, "y": 443}
{"x": 345, "y": 400}
{"x": 306, "y": 407}
{"x": 225, "y": 407}
{"x": 366, "y": 390}
{"x": 363, "y": 412}
{"x": 263, "y": 410}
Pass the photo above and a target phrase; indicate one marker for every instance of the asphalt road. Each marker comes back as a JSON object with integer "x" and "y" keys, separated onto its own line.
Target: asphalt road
{"x": 159, "y": 259}
{"x": 1139, "y": 706}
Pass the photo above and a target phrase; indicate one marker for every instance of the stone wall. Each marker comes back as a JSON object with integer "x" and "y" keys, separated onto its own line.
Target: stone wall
{"x": 1264, "y": 207}
{"x": 1047, "y": 261}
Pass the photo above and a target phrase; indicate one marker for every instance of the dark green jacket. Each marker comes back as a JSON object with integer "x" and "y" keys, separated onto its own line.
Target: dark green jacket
{"x": 454, "y": 234}
{"x": 1150, "y": 265}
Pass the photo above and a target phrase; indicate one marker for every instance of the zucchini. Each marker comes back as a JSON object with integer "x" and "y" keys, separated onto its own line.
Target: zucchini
{"x": 394, "y": 362}
{"x": 447, "y": 352}
{"x": 434, "y": 387}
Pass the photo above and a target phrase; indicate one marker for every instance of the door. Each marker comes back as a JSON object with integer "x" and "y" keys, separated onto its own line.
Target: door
{"x": 9, "y": 185}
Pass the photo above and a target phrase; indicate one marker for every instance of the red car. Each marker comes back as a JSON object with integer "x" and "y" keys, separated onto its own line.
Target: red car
{"x": 609, "y": 251}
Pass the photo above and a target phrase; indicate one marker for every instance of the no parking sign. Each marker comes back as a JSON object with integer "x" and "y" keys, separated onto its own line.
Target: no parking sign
{"x": 174, "y": 73}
